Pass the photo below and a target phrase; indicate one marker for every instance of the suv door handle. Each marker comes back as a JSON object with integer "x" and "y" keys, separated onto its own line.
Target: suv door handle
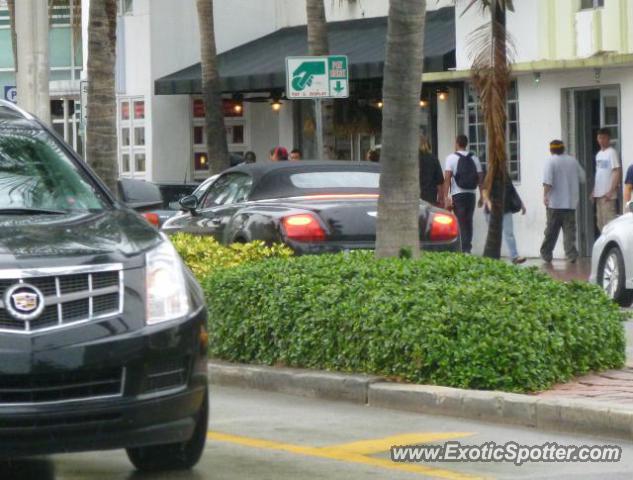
{"x": 216, "y": 221}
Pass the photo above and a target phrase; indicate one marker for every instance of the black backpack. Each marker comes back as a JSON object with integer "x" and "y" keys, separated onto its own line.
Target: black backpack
{"x": 466, "y": 176}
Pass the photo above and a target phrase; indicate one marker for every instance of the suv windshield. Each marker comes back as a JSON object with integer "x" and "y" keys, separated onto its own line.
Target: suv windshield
{"x": 37, "y": 174}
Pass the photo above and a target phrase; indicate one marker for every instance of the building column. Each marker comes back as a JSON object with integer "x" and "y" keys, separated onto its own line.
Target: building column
{"x": 446, "y": 125}
{"x": 32, "y": 78}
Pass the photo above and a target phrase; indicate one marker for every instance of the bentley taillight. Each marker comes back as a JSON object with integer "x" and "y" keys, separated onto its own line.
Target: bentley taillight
{"x": 444, "y": 227}
{"x": 303, "y": 228}
{"x": 152, "y": 218}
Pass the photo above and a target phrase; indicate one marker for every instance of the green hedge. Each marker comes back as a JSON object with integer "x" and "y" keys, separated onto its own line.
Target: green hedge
{"x": 204, "y": 255}
{"x": 444, "y": 319}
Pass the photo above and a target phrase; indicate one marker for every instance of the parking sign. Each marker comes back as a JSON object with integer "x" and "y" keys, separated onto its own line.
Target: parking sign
{"x": 11, "y": 93}
{"x": 317, "y": 77}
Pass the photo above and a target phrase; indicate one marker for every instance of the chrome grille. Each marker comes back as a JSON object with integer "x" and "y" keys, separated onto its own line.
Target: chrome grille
{"x": 71, "y": 296}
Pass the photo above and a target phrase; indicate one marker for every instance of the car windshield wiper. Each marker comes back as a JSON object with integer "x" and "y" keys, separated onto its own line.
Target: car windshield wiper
{"x": 30, "y": 211}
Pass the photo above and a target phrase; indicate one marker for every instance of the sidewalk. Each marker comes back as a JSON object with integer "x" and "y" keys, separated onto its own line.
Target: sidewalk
{"x": 563, "y": 270}
{"x": 613, "y": 387}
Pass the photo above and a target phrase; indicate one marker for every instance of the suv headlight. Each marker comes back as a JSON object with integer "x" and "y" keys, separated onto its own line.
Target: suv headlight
{"x": 167, "y": 297}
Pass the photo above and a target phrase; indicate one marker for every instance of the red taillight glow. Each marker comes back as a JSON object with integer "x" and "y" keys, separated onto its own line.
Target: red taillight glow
{"x": 443, "y": 227}
{"x": 152, "y": 218}
{"x": 303, "y": 228}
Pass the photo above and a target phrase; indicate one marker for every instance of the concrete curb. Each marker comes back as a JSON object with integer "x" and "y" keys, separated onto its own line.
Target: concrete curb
{"x": 548, "y": 414}
{"x": 305, "y": 383}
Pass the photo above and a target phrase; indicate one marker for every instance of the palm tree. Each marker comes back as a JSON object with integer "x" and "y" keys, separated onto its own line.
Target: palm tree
{"x": 217, "y": 147}
{"x": 399, "y": 202}
{"x": 491, "y": 76}
{"x": 318, "y": 45}
{"x": 101, "y": 135}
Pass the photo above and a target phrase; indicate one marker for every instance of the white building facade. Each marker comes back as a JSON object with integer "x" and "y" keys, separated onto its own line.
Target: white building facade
{"x": 573, "y": 67}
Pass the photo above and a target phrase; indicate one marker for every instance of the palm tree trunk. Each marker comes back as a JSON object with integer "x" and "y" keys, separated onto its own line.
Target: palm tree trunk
{"x": 318, "y": 45}
{"x": 399, "y": 203}
{"x": 217, "y": 147}
{"x": 101, "y": 137}
{"x": 496, "y": 120}
{"x": 31, "y": 25}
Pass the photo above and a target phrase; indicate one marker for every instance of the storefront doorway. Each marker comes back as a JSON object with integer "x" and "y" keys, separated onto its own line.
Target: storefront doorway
{"x": 586, "y": 111}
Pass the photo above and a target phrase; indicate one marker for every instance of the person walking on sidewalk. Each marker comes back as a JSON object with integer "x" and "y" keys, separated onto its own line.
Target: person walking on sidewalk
{"x": 512, "y": 204}
{"x": 561, "y": 184}
{"x": 431, "y": 176}
{"x": 463, "y": 175}
{"x": 607, "y": 182}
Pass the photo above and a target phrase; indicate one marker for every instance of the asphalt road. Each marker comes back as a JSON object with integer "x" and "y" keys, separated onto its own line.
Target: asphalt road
{"x": 259, "y": 435}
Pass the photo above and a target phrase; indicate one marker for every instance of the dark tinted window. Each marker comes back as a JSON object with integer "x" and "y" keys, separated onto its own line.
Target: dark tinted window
{"x": 36, "y": 172}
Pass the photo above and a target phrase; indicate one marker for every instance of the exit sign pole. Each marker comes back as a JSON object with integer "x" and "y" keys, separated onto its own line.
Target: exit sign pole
{"x": 317, "y": 78}
{"x": 318, "y": 113}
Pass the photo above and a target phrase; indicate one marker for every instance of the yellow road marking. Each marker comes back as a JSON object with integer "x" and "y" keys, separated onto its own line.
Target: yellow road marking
{"x": 369, "y": 447}
{"x": 339, "y": 455}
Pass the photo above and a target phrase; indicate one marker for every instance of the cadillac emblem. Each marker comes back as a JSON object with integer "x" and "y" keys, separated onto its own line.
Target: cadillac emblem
{"x": 24, "y": 302}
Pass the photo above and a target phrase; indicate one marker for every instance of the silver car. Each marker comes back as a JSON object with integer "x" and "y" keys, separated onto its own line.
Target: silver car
{"x": 612, "y": 259}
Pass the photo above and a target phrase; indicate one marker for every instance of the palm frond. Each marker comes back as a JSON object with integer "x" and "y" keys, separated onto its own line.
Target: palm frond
{"x": 487, "y": 4}
{"x": 492, "y": 52}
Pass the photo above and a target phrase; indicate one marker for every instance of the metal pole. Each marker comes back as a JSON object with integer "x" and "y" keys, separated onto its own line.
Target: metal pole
{"x": 318, "y": 113}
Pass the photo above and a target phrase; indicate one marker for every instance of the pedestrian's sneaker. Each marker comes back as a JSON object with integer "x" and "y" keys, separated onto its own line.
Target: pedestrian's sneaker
{"x": 518, "y": 260}
{"x": 547, "y": 260}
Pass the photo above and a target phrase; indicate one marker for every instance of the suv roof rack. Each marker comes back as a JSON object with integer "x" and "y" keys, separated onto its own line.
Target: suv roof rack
{"x": 16, "y": 110}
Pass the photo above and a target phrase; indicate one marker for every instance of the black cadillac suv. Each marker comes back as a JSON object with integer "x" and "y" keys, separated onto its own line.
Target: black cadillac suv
{"x": 102, "y": 328}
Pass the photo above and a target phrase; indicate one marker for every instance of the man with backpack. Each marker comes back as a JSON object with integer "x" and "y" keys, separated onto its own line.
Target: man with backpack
{"x": 463, "y": 175}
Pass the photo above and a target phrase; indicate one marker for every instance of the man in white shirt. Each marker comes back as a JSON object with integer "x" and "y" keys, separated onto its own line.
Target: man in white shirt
{"x": 562, "y": 176}
{"x": 607, "y": 183}
{"x": 460, "y": 184}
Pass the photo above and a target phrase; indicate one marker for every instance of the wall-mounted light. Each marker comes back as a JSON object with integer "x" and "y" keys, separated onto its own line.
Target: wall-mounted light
{"x": 442, "y": 95}
{"x": 597, "y": 74}
{"x": 275, "y": 105}
{"x": 379, "y": 104}
{"x": 537, "y": 77}
{"x": 238, "y": 103}
{"x": 424, "y": 103}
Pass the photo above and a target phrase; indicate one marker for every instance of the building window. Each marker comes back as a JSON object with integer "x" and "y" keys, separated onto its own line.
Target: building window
{"x": 126, "y": 7}
{"x": 132, "y": 145}
{"x": 589, "y": 4}
{"x": 237, "y": 133}
{"x": 65, "y": 49}
{"x": 476, "y": 130}
{"x": 66, "y": 121}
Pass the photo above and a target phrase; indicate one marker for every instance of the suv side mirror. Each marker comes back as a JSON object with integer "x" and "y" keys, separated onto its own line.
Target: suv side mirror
{"x": 189, "y": 203}
{"x": 630, "y": 206}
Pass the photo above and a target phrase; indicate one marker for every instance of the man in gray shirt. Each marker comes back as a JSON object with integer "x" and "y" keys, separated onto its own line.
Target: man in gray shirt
{"x": 561, "y": 180}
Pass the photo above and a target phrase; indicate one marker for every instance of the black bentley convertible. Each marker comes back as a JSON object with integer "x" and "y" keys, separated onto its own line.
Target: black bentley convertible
{"x": 311, "y": 206}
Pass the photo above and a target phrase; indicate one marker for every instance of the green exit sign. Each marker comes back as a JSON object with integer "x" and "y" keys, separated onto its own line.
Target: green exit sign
{"x": 317, "y": 77}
